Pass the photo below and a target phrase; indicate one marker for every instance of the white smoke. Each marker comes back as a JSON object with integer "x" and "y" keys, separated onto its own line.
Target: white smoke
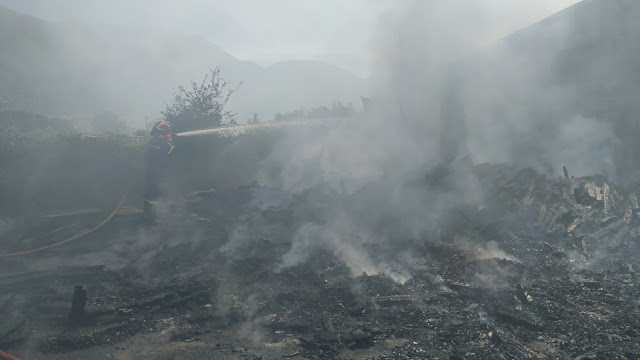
{"x": 441, "y": 91}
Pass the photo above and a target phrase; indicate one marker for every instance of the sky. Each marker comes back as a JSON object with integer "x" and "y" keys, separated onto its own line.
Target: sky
{"x": 334, "y": 31}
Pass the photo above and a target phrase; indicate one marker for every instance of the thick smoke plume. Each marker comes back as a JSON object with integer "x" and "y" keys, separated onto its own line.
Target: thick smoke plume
{"x": 444, "y": 98}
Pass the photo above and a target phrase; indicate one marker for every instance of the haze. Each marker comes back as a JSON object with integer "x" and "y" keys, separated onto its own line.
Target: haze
{"x": 266, "y": 32}
{"x": 406, "y": 179}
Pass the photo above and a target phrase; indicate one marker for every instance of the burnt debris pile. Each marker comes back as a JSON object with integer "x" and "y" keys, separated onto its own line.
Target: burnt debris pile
{"x": 535, "y": 268}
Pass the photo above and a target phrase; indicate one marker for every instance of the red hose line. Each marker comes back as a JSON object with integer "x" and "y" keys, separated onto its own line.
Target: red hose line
{"x": 6, "y": 356}
{"x": 83, "y": 233}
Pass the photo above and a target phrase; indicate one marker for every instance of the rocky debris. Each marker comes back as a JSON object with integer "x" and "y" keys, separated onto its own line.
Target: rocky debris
{"x": 540, "y": 269}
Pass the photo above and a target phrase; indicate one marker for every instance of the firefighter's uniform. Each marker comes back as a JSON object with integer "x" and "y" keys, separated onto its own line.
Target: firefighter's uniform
{"x": 160, "y": 146}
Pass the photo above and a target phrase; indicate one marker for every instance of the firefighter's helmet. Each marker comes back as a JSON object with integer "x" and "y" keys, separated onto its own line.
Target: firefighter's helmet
{"x": 161, "y": 127}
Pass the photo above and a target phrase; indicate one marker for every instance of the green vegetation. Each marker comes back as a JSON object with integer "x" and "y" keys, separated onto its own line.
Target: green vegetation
{"x": 336, "y": 111}
{"x": 47, "y": 165}
{"x": 201, "y": 106}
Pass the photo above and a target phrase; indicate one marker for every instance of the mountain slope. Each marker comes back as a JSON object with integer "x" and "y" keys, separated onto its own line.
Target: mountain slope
{"x": 562, "y": 91}
{"x": 76, "y": 69}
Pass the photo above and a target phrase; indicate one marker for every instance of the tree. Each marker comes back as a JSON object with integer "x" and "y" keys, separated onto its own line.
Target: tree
{"x": 337, "y": 110}
{"x": 253, "y": 120}
{"x": 201, "y": 106}
{"x": 298, "y": 114}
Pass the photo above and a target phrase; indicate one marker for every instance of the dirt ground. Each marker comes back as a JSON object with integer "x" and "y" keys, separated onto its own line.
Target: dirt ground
{"x": 539, "y": 269}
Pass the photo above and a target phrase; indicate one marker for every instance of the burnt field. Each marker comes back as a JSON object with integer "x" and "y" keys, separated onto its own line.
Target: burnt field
{"x": 536, "y": 268}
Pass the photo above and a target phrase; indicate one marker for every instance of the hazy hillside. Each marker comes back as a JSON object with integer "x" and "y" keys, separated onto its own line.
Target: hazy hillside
{"x": 75, "y": 69}
{"x": 590, "y": 47}
{"x": 572, "y": 76}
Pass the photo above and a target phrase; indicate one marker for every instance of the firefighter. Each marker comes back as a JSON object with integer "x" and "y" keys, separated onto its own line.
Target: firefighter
{"x": 159, "y": 149}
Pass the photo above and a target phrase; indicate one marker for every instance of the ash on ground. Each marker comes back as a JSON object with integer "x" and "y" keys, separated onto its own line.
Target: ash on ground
{"x": 536, "y": 268}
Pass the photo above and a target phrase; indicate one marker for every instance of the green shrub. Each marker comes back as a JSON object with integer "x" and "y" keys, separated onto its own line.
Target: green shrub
{"x": 201, "y": 106}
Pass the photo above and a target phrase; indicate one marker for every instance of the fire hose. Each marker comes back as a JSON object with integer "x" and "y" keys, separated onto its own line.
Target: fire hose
{"x": 134, "y": 175}
{"x": 221, "y": 130}
{"x": 85, "y": 232}
{"x": 6, "y": 356}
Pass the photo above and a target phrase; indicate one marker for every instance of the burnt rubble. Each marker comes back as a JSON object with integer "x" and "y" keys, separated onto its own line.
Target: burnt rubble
{"x": 77, "y": 313}
{"x": 539, "y": 268}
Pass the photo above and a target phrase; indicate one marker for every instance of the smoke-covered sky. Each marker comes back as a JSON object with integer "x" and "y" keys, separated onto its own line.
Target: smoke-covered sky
{"x": 266, "y": 32}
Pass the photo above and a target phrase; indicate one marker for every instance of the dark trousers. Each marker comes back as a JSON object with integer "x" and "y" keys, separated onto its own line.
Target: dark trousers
{"x": 155, "y": 172}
